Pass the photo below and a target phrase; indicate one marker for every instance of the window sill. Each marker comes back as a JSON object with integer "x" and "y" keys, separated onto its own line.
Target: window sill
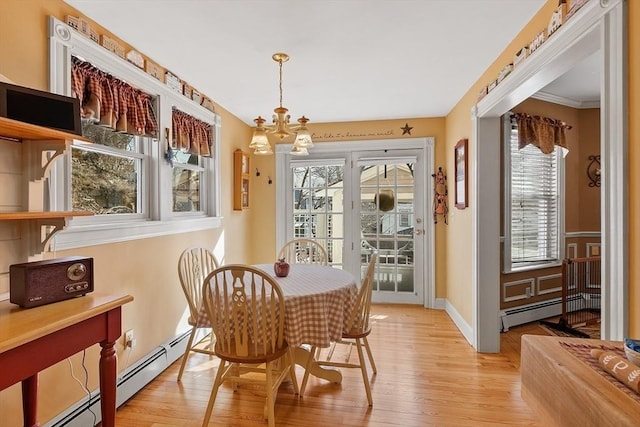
{"x": 92, "y": 235}
{"x": 533, "y": 267}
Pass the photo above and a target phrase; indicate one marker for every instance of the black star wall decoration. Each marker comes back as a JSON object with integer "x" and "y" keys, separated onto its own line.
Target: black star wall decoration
{"x": 406, "y": 129}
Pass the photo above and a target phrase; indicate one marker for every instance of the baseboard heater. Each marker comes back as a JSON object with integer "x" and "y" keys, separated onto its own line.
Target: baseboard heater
{"x": 530, "y": 313}
{"x": 86, "y": 412}
{"x": 542, "y": 310}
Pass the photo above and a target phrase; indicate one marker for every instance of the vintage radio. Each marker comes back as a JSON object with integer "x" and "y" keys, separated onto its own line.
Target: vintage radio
{"x": 40, "y": 108}
{"x": 42, "y": 282}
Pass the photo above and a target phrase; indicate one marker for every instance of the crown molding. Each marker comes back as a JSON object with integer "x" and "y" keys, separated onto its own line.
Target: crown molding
{"x": 568, "y": 102}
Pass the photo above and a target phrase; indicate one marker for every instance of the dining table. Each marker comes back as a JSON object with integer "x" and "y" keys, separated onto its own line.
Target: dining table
{"x": 318, "y": 300}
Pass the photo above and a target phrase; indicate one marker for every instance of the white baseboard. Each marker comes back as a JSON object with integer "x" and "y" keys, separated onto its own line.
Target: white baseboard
{"x": 463, "y": 326}
{"x": 441, "y": 303}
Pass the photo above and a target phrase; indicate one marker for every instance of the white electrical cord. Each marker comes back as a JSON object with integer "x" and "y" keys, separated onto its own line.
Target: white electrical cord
{"x": 126, "y": 362}
{"x": 84, "y": 385}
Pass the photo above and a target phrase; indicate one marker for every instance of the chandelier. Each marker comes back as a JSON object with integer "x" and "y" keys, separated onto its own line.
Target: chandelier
{"x": 281, "y": 127}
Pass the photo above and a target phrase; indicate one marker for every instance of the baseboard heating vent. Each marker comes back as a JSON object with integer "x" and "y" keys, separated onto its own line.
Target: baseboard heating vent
{"x": 530, "y": 313}
{"x": 86, "y": 412}
{"x": 176, "y": 347}
{"x": 140, "y": 375}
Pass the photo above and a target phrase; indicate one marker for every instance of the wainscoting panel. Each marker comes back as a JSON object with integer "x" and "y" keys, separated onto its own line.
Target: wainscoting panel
{"x": 549, "y": 284}
{"x": 572, "y": 250}
{"x": 518, "y": 290}
{"x": 593, "y": 249}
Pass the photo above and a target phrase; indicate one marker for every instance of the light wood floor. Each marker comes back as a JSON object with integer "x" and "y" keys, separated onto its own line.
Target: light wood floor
{"x": 428, "y": 375}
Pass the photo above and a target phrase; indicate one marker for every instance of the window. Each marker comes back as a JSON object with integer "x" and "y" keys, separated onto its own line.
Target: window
{"x": 135, "y": 185}
{"x": 533, "y": 204}
{"x": 187, "y": 179}
{"x": 105, "y": 175}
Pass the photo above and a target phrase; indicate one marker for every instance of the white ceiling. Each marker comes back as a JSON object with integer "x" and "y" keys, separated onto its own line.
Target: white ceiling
{"x": 350, "y": 59}
{"x": 580, "y": 87}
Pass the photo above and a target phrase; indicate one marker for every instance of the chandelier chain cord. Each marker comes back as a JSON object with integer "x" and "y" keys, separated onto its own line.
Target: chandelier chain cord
{"x": 280, "y": 62}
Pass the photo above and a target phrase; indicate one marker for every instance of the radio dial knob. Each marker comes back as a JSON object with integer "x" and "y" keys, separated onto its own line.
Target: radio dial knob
{"x": 76, "y": 271}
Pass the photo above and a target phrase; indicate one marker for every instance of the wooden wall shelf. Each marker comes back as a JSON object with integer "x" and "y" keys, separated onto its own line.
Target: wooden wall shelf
{"x": 36, "y": 141}
{"x": 40, "y": 139}
{"x": 7, "y": 216}
{"x": 37, "y": 241}
{"x": 20, "y": 131}
{"x": 240, "y": 180}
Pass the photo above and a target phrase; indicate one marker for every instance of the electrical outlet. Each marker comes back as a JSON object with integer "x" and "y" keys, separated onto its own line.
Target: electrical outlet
{"x": 129, "y": 340}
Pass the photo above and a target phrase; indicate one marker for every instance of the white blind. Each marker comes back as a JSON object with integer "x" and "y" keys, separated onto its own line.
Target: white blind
{"x": 534, "y": 204}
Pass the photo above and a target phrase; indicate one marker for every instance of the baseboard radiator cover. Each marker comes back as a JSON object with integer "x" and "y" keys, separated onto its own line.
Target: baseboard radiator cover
{"x": 86, "y": 412}
{"x": 544, "y": 309}
{"x": 530, "y": 313}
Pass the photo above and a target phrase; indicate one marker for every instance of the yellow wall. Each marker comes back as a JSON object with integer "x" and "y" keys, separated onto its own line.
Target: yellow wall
{"x": 147, "y": 268}
{"x": 263, "y": 195}
{"x": 458, "y": 125}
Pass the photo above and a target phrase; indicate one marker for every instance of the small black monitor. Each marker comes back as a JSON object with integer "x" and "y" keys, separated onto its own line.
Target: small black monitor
{"x": 40, "y": 108}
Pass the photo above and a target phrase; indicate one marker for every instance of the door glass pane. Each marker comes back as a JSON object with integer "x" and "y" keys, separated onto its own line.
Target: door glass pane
{"x": 386, "y": 224}
{"x": 318, "y": 211}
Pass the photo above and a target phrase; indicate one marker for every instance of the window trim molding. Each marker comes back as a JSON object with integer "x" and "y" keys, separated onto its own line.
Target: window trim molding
{"x": 507, "y": 262}
{"x": 63, "y": 42}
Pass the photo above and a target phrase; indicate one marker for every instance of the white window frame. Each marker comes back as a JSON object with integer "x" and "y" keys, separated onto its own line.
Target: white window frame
{"x": 159, "y": 218}
{"x": 202, "y": 171}
{"x": 298, "y": 162}
{"x": 508, "y": 264}
{"x": 143, "y": 190}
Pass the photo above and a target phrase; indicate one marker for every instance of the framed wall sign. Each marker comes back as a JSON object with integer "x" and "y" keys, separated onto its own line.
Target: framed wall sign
{"x": 461, "y": 172}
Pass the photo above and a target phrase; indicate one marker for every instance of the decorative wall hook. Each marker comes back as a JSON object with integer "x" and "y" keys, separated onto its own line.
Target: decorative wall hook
{"x": 440, "y": 193}
{"x": 593, "y": 171}
{"x": 257, "y": 172}
{"x": 270, "y": 181}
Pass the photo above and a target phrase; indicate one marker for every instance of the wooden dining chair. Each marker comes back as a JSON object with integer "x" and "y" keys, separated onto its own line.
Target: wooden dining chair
{"x": 303, "y": 251}
{"x": 246, "y": 309}
{"x": 194, "y": 265}
{"x": 356, "y": 332}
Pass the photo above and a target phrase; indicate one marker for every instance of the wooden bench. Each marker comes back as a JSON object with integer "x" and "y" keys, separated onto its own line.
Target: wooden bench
{"x": 566, "y": 391}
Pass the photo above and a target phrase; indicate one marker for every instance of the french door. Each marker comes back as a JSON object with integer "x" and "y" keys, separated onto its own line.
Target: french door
{"x": 358, "y": 202}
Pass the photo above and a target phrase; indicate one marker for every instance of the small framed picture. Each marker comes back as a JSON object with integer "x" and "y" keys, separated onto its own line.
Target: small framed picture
{"x": 461, "y": 171}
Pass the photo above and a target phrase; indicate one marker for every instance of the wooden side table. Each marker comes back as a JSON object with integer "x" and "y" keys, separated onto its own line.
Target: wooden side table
{"x": 33, "y": 339}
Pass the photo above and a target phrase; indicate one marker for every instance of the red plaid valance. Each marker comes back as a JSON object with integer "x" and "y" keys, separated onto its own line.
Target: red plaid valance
{"x": 112, "y": 102}
{"x": 191, "y": 135}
